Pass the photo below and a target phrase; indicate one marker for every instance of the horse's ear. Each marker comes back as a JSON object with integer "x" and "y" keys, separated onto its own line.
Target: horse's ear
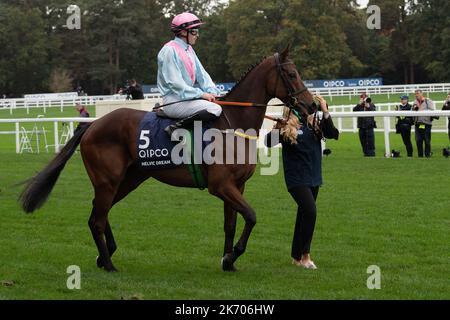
{"x": 285, "y": 54}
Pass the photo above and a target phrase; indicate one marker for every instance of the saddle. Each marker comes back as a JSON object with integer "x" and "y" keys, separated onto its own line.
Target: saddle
{"x": 159, "y": 111}
{"x": 155, "y": 146}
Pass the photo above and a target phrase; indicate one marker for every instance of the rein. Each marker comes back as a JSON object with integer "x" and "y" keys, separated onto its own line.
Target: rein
{"x": 230, "y": 104}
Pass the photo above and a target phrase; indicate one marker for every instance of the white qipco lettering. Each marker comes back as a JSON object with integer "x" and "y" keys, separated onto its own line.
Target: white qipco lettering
{"x": 369, "y": 82}
{"x": 335, "y": 83}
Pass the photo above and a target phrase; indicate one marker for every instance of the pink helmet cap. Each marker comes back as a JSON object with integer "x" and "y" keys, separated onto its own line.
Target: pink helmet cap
{"x": 185, "y": 21}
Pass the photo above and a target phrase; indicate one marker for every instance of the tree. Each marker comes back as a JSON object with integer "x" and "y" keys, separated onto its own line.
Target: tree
{"x": 431, "y": 29}
{"x": 252, "y": 28}
{"x": 319, "y": 47}
{"x": 60, "y": 80}
{"x": 24, "y": 55}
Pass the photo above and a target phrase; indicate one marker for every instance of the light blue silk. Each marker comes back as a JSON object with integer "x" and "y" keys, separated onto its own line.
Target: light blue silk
{"x": 173, "y": 78}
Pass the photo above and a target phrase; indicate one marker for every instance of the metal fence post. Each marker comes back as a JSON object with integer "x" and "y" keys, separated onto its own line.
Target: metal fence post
{"x": 55, "y": 126}
{"x": 71, "y": 128}
{"x": 387, "y": 124}
{"x": 17, "y": 138}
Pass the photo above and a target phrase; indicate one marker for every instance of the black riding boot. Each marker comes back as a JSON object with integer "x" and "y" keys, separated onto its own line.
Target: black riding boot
{"x": 187, "y": 122}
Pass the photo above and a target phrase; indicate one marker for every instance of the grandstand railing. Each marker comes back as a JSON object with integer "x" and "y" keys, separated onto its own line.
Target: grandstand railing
{"x": 386, "y": 115}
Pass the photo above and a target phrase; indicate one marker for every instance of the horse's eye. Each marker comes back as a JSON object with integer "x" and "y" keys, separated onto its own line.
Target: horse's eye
{"x": 292, "y": 75}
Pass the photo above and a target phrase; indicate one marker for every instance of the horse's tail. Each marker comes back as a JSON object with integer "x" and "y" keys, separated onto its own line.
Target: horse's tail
{"x": 38, "y": 188}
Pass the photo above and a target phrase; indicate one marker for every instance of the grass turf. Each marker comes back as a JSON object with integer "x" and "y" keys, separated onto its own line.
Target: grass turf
{"x": 371, "y": 211}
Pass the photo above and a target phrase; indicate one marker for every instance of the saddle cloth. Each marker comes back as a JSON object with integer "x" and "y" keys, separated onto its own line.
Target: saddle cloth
{"x": 154, "y": 146}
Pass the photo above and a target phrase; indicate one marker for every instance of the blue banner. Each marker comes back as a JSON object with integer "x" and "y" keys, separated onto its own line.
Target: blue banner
{"x": 337, "y": 83}
{"x": 342, "y": 83}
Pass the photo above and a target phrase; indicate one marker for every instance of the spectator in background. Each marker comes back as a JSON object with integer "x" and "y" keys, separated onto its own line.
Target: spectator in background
{"x": 423, "y": 124}
{"x": 80, "y": 91}
{"x": 366, "y": 126}
{"x": 404, "y": 124}
{"x": 83, "y": 114}
{"x": 446, "y": 106}
{"x": 135, "y": 90}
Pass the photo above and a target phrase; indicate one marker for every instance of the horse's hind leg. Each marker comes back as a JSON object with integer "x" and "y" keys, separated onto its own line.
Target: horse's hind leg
{"x": 98, "y": 223}
{"x": 109, "y": 237}
{"x": 131, "y": 181}
{"x": 110, "y": 242}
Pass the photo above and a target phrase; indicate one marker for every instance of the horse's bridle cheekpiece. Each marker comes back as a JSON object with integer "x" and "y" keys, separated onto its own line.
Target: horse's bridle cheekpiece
{"x": 292, "y": 100}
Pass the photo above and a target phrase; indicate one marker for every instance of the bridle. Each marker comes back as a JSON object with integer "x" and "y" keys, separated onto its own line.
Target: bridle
{"x": 291, "y": 101}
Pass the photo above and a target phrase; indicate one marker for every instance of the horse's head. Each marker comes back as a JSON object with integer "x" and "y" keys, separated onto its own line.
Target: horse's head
{"x": 286, "y": 84}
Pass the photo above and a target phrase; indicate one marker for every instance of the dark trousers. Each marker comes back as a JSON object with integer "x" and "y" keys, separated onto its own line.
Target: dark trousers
{"x": 367, "y": 139}
{"x": 405, "y": 131}
{"x": 449, "y": 129}
{"x": 305, "y": 197}
{"x": 423, "y": 136}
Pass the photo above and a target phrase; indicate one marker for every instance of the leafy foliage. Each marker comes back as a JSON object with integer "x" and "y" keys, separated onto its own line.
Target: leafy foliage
{"x": 120, "y": 39}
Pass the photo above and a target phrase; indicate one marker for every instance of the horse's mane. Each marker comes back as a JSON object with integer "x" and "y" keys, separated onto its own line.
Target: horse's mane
{"x": 244, "y": 75}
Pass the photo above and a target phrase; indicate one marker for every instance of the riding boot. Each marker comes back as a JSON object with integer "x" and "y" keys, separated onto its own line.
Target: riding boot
{"x": 187, "y": 122}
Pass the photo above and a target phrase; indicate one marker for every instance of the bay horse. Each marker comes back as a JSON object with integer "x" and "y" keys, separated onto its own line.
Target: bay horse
{"x": 109, "y": 152}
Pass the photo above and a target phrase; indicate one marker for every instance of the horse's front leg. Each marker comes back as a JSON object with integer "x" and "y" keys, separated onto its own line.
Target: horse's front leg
{"x": 234, "y": 201}
{"x": 229, "y": 227}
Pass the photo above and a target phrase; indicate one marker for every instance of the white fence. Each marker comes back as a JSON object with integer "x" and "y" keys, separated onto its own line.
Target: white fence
{"x": 45, "y": 103}
{"x": 24, "y": 136}
{"x": 351, "y": 124}
{"x": 386, "y": 115}
{"x": 389, "y": 90}
{"x": 13, "y": 104}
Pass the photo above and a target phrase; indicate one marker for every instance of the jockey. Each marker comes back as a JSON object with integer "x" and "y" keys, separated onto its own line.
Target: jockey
{"x": 179, "y": 70}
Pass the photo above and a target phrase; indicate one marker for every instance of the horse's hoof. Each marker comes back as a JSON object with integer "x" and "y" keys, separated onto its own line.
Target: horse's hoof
{"x": 99, "y": 262}
{"x": 227, "y": 264}
{"x": 111, "y": 269}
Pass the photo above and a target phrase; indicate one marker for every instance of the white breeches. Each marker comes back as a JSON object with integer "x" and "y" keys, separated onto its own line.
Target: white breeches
{"x": 188, "y": 108}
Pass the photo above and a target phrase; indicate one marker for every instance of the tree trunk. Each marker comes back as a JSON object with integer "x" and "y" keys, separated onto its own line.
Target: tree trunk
{"x": 117, "y": 75}
{"x": 111, "y": 68}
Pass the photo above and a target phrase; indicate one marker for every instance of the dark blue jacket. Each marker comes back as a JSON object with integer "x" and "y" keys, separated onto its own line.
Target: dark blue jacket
{"x": 302, "y": 162}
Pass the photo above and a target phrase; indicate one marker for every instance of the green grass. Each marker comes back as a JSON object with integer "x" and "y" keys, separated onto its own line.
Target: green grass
{"x": 393, "y": 213}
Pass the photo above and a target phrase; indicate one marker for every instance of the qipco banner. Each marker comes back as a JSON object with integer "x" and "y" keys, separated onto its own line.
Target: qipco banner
{"x": 342, "y": 83}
